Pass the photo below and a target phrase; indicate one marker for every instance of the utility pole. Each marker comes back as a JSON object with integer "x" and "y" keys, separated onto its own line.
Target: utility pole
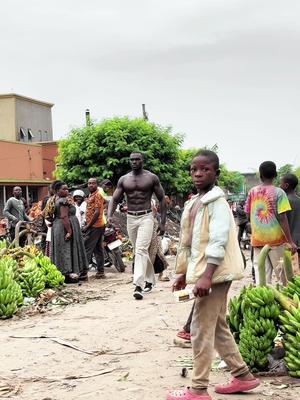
{"x": 145, "y": 115}
{"x": 87, "y": 117}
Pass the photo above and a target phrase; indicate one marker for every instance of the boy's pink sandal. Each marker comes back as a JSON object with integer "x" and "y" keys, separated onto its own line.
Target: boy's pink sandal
{"x": 185, "y": 394}
{"x": 237, "y": 386}
{"x": 184, "y": 335}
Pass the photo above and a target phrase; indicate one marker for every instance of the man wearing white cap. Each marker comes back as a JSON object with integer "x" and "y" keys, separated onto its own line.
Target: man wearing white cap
{"x": 80, "y": 205}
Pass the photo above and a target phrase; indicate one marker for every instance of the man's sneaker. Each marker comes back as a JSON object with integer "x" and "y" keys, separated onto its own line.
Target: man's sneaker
{"x": 148, "y": 287}
{"x": 137, "y": 294}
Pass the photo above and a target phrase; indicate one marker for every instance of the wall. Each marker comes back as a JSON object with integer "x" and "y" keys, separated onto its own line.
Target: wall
{"x": 21, "y": 161}
{"x": 36, "y": 117}
{"x": 7, "y": 118}
{"x": 49, "y": 153}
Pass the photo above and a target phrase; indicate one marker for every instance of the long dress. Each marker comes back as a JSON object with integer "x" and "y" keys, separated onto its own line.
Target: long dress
{"x": 69, "y": 256}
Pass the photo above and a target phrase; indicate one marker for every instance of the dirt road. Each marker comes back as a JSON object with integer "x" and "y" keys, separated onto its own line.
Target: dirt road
{"x": 134, "y": 340}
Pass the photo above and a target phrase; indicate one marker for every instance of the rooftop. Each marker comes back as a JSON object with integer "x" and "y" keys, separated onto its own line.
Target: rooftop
{"x": 24, "y": 98}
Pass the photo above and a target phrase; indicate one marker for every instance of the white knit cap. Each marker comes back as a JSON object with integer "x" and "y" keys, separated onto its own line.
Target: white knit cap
{"x": 78, "y": 193}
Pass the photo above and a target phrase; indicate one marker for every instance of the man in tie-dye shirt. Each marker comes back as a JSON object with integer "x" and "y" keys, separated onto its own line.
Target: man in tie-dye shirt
{"x": 267, "y": 206}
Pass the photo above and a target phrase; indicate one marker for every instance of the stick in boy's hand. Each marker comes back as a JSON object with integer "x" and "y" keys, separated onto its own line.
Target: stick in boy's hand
{"x": 179, "y": 283}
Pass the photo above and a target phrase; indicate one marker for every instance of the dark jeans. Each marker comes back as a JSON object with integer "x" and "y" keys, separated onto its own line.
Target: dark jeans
{"x": 242, "y": 227}
{"x": 93, "y": 245}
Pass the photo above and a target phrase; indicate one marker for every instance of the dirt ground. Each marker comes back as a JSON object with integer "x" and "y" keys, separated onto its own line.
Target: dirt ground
{"x": 131, "y": 341}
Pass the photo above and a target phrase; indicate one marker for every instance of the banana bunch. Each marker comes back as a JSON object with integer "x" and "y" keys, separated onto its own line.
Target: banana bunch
{"x": 235, "y": 316}
{"x": 52, "y": 275}
{"x": 256, "y": 340}
{"x": 290, "y": 326}
{"x": 10, "y": 265}
{"x": 9, "y": 295}
{"x": 32, "y": 249}
{"x": 253, "y": 318}
{"x": 31, "y": 279}
{"x": 292, "y": 290}
{"x": 3, "y": 244}
{"x": 20, "y": 254}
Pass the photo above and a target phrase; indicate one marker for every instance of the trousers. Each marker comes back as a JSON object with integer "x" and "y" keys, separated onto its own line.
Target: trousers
{"x": 209, "y": 331}
{"x": 93, "y": 244}
{"x": 140, "y": 230}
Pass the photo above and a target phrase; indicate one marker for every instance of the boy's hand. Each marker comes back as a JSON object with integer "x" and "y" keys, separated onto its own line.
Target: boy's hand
{"x": 202, "y": 286}
{"x": 179, "y": 283}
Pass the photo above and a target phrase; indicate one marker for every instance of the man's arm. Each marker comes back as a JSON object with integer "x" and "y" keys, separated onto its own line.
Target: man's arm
{"x": 117, "y": 196}
{"x": 160, "y": 194}
{"x": 7, "y": 212}
{"x": 286, "y": 230}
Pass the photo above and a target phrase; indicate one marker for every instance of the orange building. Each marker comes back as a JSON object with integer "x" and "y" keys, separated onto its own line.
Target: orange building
{"x": 24, "y": 161}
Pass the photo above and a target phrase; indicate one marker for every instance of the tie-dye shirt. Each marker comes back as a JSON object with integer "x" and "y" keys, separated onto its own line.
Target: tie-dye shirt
{"x": 264, "y": 204}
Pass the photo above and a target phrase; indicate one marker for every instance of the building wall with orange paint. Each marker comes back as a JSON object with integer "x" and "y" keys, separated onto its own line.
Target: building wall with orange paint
{"x": 21, "y": 161}
{"x": 49, "y": 154}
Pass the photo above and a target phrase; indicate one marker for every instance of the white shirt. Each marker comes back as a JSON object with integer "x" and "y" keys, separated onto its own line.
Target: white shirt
{"x": 80, "y": 213}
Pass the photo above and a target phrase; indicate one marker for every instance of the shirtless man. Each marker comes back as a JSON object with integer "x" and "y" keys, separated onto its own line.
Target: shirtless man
{"x": 139, "y": 185}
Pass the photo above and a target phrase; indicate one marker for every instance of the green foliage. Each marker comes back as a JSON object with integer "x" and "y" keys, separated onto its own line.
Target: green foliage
{"x": 297, "y": 173}
{"x": 232, "y": 181}
{"x": 184, "y": 182}
{"x": 102, "y": 150}
{"x": 285, "y": 169}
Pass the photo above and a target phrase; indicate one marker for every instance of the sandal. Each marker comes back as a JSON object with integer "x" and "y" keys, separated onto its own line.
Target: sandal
{"x": 237, "y": 386}
{"x": 185, "y": 394}
{"x": 184, "y": 335}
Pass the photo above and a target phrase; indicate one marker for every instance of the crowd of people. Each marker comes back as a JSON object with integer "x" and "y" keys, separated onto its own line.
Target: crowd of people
{"x": 208, "y": 256}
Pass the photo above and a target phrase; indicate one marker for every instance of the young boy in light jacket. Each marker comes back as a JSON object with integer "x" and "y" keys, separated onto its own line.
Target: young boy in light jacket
{"x": 209, "y": 257}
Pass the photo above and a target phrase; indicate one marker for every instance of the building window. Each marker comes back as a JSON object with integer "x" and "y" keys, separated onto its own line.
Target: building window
{"x": 30, "y": 134}
{"x": 22, "y": 134}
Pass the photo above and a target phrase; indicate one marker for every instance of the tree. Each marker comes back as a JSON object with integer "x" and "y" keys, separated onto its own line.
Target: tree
{"x": 102, "y": 150}
{"x": 285, "y": 169}
{"x": 232, "y": 181}
{"x": 297, "y": 173}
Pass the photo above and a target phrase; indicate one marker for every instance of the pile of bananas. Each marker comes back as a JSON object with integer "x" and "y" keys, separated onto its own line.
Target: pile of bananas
{"x": 292, "y": 290}
{"x": 253, "y": 317}
{"x": 290, "y": 326}
{"x": 9, "y": 294}
{"x": 52, "y": 275}
{"x": 22, "y": 253}
{"x": 31, "y": 279}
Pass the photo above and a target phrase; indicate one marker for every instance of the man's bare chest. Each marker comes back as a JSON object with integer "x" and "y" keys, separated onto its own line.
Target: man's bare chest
{"x": 138, "y": 184}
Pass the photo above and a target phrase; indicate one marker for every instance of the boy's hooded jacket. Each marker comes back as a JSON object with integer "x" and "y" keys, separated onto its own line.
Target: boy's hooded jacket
{"x": 208, "y": 235}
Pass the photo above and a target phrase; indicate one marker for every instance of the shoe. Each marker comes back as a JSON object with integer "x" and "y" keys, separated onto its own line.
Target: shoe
{"x": 137, "y": 294}
{"x": 100, "y": 275}
{"x": 184, "y": 335}
{"x": 148, "y": 288}
{"x": 71, "y": 278}
{"x": 83, "y": 276}
{"x": 185, "y": 394}
{"x": 237, "y": 386}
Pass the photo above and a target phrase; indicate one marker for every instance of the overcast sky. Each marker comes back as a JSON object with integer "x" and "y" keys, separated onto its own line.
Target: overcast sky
{"x": 225, "y": 72}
